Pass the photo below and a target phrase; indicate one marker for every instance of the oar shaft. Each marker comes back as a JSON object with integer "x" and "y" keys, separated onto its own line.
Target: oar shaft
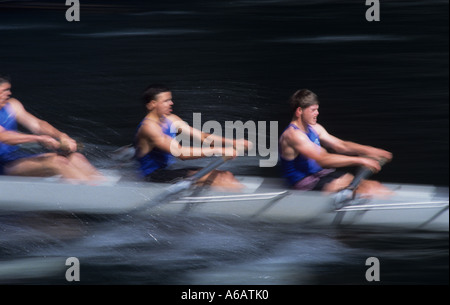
{"x": 348, "y": 193}
{"x": 209, "y": 168}
{"x": 186, "y": 183}
{"x": 363, "y": 174}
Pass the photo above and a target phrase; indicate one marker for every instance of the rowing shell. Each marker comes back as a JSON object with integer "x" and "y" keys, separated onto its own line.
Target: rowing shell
{"x": 263, "y": 199}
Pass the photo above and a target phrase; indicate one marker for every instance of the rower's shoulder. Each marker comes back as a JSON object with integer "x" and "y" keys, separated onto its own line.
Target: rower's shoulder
{"x": 16, "y": 106}
{"x": 319, "y": 129}
{"x": 174, "y": 118}
{"x": 292, "y": 134}
{"x": 15, "y": 103}
{"x": 149, "y": 127}
{"x": 177, "y": 121}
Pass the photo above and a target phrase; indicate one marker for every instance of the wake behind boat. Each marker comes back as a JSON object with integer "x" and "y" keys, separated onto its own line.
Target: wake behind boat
{"x": 411, "y": 207}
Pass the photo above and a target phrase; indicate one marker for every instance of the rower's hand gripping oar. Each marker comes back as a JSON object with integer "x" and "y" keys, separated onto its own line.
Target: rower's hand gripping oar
{"x": 186, "y": 183}
{"x": 344, "y": 196}
{"x": 64, "y": 149}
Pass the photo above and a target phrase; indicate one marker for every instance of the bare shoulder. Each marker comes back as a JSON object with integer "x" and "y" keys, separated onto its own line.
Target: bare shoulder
{"x": 294, "y": 142}
{"x": 150, "y": 129}
{"x": 319, "y": 129}
{"x": 16, "y": 105}
{"x": 292, "y": 135}
{"x": 326, "y": 138}
{"x": 177, "y": 121}
{"x": 19, "y": 110}
{"x": 174, "y": 117}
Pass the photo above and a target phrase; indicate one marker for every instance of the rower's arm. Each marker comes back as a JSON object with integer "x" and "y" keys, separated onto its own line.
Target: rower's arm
{"x": 301, "y": 144}
{"x": 152, "y": 134}
{"x": 40, "y": 128}
{"x": 212, "y": 139}
{"x": 350, "y": 148}
{"x": 32, "y": 123}
{"x": 15, "y": 138}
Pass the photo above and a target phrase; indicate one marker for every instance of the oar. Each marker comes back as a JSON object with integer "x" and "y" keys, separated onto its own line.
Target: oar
{"x": 186, "y": 183}
{"x": 64, "y": 149}
{"x": 347, "y": 194}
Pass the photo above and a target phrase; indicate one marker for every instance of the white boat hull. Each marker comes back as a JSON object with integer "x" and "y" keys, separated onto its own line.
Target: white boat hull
{"x": 412, "y": 206}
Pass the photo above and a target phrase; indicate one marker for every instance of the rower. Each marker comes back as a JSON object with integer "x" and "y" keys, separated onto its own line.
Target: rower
{"x": 157, "y": 148}
{"x": 307, "y": 165}
{"x": 69, "y": 165}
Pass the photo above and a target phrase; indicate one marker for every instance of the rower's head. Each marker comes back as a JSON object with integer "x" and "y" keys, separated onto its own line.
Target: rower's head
{"x": 4, "y": 79}
{"x": 5, "y": 90}
{"x": 158, "y": 97}
{"x": 303, "y": 98}
{"x": 305, "y": 102}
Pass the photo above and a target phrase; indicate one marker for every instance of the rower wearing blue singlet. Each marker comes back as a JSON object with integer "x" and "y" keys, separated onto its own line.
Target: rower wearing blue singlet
{"x": 13, "y": 161}
{"x": 157, "y": 159}
{"x": 157, "y": 148}
{"x": 300, "y": 167}
{"x": 306, "y": 165}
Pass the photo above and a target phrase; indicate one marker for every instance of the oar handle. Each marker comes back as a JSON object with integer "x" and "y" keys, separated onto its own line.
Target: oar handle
{"x": 364, "y": 173}
{"x": 185, "y": 183}
{"x": 64, "y": 149}
{"x": 344, "y": 196}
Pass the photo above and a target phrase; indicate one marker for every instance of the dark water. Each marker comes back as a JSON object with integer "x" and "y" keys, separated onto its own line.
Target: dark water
{"x": 380, "y": 83}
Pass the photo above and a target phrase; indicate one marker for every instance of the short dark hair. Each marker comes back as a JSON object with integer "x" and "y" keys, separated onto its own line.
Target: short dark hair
{"x": 303, "y": 98}
{"x": 152, "y": 91}
{"x": 4, "y": 79}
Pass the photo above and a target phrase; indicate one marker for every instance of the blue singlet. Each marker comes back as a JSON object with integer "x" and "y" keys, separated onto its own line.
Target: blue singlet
{"x": 300, "y": 167}
{"x": 8, "y": 153}
{"x": 157, "y": 158}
